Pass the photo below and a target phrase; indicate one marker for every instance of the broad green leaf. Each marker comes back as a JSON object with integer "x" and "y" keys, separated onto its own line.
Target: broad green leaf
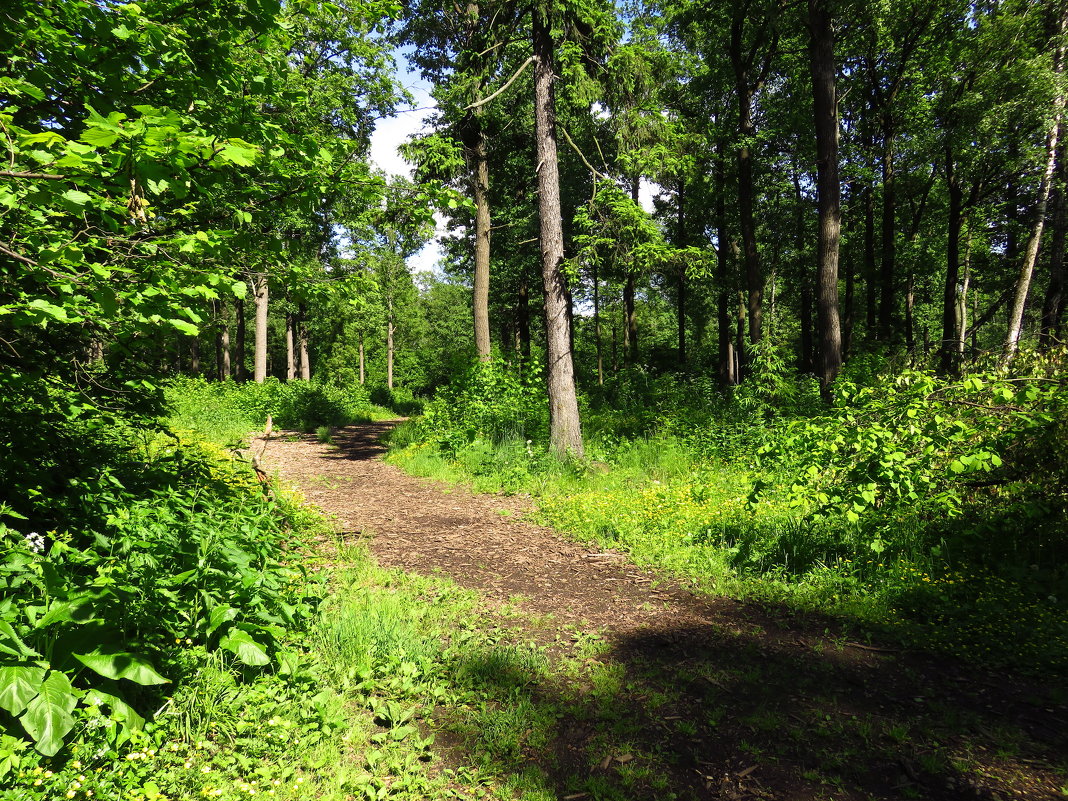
{"x": 184, "y": 326}
{"x": 242, "y": 156}
{"x": 50, "y": 309}
{"x": 240, "y": 289}
{"x": 98, "y": 137}
{"x": 220, "y": 615}
{"x": 121, "y": 665}
{"x": 19, "y": 686}
{"x": 47, "y": 718}
{"x": 12, "y": 644}
{"x": 245, "y": 648}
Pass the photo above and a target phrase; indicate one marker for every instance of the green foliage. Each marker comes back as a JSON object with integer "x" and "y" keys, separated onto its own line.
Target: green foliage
{"x": 493, "y": 401}
{"x": 226, "y": 412}
{"x": 143, "y": 543}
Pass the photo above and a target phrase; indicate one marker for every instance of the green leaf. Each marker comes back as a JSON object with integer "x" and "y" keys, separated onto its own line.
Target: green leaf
{"x": 245, "y": 648}
{"x": 19, "y": 686}
{"x": 10, "y": 643}
{"x": 220, "y": 615}
{"x": 240, "y": 289}
{"x": 47, "y": 718}
{"x": 184, "y": 326}
{"x": 242, "y": 156}
{"x": 121, "y": 665}
{"x": 98, "y": 137}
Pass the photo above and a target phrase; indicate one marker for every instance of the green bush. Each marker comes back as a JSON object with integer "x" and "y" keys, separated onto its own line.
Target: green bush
{"x": 491, "y": 401}
{"x": 113, "y": 558}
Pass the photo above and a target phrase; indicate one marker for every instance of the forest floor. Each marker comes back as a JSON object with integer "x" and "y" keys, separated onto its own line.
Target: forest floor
{"x": 686, "y": 695}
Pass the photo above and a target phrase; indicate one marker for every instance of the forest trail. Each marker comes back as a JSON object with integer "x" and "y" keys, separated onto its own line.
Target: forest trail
{"x": 735, "y": 699}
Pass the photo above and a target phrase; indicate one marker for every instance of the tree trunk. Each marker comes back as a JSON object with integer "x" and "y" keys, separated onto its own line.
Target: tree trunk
{"x": 523, "y": 305}
{"x": 950, "y": 329}
{"x": 239, "y": 361}
{"x": 870, "y": 270}
{"x": 363, "y": 377}
{"x": 222, "y": 337}
{"x": 825, "y": 106}
{"x": 597, "y": 324}
{"x": 754, "y": 279}
{"x": 630, "y": 321}
{"x": 302, "y": 342}
{"x": 806, "y": 364}
{"x": 727, "y": 375}
{"x": 630, "y": 336}
{"x": 910, "y": 312}
{"x": 260, "y": 361}
{"x": 194, "y": 355}
{"x": 888, "y": 268}
{"x": 482, "y": 248}
{"x": 1053, "y": 305}
{"x": 1027, "y": 268}
{"x": 680, "y": 242}
{"x": 389, "y": 343}
{"x": 739, "y": 345}
{"x": 291, "y": 354}
{"x": 565, "y": 433}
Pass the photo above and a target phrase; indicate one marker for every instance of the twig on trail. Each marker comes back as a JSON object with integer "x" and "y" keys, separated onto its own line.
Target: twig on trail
{"x": 261, "y": 474}
{"x": 875, "y": 648}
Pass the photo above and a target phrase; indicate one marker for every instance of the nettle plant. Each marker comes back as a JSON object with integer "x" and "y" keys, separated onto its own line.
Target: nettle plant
{"x": 916, "y": 442}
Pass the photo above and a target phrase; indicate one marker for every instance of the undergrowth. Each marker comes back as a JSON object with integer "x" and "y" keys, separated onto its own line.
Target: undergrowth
{"x": 225, "y": 412}
{"x": 923, "y": 509}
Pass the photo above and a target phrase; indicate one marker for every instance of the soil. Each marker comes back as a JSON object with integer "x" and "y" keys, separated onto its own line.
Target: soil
{"x": 734, "y": 700}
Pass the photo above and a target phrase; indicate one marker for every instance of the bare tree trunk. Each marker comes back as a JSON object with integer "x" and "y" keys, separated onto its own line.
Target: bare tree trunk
{"x": 482, "y": 248}
{"x": 910, "y": 312}
{"x": 680, "y": 242}
{"x": 1053, "y": 305}
{"x": 194, "y": 355}
{"x": 565, "y": 432}
{"x": 291, "y": 360}
{"x": 821, "y": 52}
{"x": 950, "y": 328}
{"x": 870, "y": 270}
{"x": 362, "y": 374}
{"x": 597, "y": 324}
{"x": 389, "y": 343}
{"x": 1027, "y": 268}
{"x": 220, "y": 326}
{"x": 962, "y": 295}
{"x": 302, "y": 342}
{"x": 806, "y": 364}
{"x": 739, "y": 346}
{"x": 239, "y": 362}
{"x": 630, "y": 337}
{"x": 727, "y": 374}
{"x": 262, "y": 299}
{"x": 523, "y": 306}
{"x": 888, "y": 268}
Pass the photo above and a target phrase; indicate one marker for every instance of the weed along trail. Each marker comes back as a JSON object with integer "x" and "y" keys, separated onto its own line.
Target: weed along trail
{"x": 609, "y": 681}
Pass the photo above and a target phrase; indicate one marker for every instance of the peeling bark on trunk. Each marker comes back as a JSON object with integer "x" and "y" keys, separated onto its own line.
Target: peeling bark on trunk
{"x": 565, "y": 433}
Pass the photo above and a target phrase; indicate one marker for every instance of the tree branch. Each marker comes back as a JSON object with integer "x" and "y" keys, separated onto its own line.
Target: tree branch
{"x": 511, "y": 80}
{"x": 46, "y": 176}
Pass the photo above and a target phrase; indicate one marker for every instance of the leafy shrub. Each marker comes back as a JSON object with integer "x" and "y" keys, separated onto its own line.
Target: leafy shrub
{"x": 492, "y": 401}
{"x": 137, "y": 542}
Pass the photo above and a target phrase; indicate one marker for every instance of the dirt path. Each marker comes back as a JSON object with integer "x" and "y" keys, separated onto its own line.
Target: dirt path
{"x": 760, "y": 703}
